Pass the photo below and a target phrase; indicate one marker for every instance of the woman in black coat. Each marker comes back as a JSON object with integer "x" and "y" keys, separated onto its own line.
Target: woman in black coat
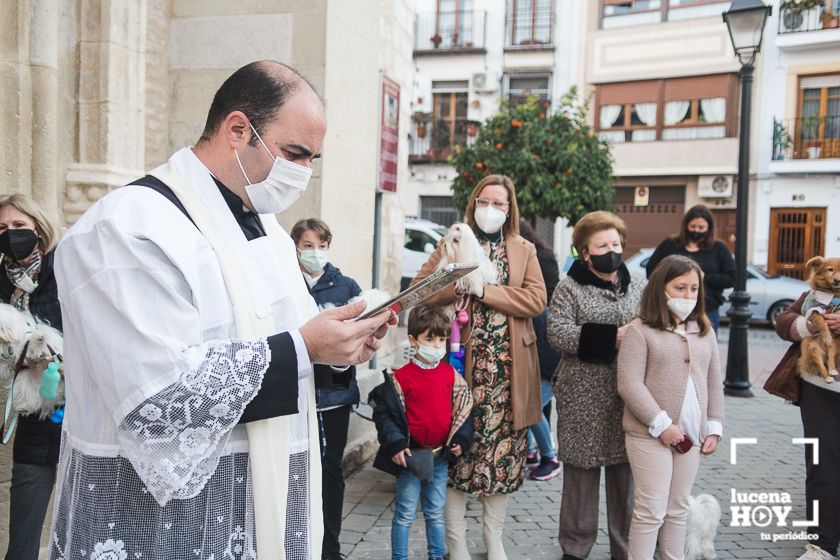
{"x": 27, "y": 243}
{"x": 697, "y": 241}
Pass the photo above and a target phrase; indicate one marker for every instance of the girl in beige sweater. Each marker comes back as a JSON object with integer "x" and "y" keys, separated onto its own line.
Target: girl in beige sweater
{"x": 669, "y": 377}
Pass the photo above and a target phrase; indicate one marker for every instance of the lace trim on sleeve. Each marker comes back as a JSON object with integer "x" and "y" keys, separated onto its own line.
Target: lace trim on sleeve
{"x": 174, "y": 439}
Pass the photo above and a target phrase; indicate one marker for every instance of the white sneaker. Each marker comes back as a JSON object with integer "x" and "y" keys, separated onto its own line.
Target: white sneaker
{"x": 813, "y": 552}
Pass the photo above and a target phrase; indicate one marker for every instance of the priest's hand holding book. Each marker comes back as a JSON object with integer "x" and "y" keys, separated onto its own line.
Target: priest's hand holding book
{"x": 333, "y": 338}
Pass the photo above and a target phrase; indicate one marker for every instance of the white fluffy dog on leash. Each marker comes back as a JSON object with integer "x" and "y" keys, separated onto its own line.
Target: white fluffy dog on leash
{"x": 461, "y": 246}
{"x": 701, "y": 527}
{"x": 27, "y": 345}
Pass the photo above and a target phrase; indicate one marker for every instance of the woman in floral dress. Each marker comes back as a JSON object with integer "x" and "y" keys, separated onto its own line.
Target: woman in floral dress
{"x": 501, "y": 365}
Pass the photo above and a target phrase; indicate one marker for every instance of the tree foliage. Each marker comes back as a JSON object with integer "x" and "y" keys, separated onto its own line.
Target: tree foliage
{"x": 558, "y": 164}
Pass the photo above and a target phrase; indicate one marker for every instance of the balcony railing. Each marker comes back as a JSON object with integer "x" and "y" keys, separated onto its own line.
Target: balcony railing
{"x": 526, "y": 29}
{"x": 808, "y": 15}
{"x": 807, "y": 138}
{"x": 436, "y": 141}
{"x": 449, "y": 32}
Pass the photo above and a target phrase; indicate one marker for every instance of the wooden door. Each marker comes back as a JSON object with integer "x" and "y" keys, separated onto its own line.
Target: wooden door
{"x": 648, "y": 225}
{"x": 725, "y": 227}
{"x": 796, "y": 235}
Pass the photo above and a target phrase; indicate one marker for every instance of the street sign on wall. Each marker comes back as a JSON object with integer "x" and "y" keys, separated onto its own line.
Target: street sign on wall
{"x": 389, "y": 119}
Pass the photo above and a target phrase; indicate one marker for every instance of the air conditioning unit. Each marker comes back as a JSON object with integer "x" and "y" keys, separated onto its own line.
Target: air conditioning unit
{"x": 483, "y": 83}
{"x": 715, "y": 186}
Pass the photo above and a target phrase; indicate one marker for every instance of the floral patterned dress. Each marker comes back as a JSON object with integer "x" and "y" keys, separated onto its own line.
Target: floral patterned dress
{"x": 495, "y": 464}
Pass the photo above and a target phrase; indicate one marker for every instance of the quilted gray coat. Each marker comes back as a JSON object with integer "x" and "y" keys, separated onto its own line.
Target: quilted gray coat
{"x": 583, "y": 320}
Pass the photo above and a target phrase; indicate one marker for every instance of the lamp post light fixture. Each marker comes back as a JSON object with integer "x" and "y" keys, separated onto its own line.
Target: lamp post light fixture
{"x": 745, "y": 21}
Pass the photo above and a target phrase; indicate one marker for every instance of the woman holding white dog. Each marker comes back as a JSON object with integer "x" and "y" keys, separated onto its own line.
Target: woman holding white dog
{"x": 669, "y": 377}
{"x": 27, "y": 242}
{"x": 501, "y": 365}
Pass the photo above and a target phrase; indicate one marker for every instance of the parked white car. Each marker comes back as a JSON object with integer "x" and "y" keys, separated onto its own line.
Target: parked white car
{"x": 421, "y": 240}
{"x": 770, "y": 295}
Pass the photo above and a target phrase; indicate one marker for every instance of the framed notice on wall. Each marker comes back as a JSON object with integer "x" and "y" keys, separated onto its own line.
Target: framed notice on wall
{"x": 389, "y": 120}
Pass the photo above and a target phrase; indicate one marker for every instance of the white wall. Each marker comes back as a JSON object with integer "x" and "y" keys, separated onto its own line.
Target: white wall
{"x": 777, "y": 82}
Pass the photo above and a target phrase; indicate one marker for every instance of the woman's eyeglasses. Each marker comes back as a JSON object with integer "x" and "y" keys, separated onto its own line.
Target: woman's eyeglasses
{"x": 483, "y": 203}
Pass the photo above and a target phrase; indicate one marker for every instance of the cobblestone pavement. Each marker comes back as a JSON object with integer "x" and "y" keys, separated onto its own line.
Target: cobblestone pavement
{"x": 774, "y": 464}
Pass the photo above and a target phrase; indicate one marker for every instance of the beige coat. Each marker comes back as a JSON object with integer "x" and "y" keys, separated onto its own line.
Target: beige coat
{"x": 522, "y": 299}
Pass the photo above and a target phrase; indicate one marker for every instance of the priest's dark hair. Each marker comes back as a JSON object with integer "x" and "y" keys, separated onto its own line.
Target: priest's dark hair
{"x": 257, "y": 89}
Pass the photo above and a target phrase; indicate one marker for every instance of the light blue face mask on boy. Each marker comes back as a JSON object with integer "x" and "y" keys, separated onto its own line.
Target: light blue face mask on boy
{"x": 430, "y": 354}
{"x": 313, "y": 260}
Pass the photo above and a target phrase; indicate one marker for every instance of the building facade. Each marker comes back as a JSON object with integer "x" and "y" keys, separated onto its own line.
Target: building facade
{"x": 797, "y": 200}
{"x": 666, "y": 92}
{"x": 468, "y": 56}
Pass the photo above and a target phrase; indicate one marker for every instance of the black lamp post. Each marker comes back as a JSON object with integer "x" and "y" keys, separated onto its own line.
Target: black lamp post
{"x": 745, "y": 20}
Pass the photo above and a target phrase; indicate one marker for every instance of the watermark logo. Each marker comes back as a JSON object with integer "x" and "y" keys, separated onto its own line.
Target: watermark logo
{"x": 766, "y": 509}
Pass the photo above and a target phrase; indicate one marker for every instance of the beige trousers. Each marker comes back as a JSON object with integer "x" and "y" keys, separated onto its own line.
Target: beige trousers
{"x": 493, "y": 518}
{"x": 663, "y": 480}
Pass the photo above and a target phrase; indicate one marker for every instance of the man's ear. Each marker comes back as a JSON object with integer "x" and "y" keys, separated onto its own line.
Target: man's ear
{"x": 236, "y": 129}
{"x": 814, "y": 263}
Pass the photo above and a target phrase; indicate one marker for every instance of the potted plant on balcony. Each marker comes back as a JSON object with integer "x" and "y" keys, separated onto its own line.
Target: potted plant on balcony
{"x": 782, "y": 140}
{"x": 421, "y": 120}
{"x": 436, "y": 39}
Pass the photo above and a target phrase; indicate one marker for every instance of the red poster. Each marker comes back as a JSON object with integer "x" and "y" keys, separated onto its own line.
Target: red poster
{"x": 389, "y": 135}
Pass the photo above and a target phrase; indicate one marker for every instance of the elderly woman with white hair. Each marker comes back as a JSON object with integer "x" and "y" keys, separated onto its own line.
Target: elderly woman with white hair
{"x": 27, "y": 243}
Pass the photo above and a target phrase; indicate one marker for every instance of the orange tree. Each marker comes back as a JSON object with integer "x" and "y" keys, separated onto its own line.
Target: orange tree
{"x": 558, "y": 164}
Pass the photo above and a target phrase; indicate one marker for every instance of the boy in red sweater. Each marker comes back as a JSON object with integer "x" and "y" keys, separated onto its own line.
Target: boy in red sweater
{"x": 423, "y": 420}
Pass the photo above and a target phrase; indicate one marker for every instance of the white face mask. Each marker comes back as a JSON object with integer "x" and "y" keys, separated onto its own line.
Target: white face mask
{"x": 430, "y": 354}
{"x": 681, "y": 307}
{"x": 313, "y": 260}
{"x": 489, "y": 219}
{"x": 282, "y": 186}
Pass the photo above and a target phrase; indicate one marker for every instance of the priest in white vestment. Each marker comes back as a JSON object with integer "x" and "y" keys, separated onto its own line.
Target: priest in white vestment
{"x": 189, "y": 341}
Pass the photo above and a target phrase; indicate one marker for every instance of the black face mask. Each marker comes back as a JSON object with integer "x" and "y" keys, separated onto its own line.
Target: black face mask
{"x": 17, "y": 244}
{"x": 697, "y": 236}
{"x": 606, "y": 263}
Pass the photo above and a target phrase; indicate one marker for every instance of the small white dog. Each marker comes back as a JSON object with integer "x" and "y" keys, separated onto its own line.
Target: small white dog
{"x": 28, "y": 344}
{"x": 701, "y": 527}
{"x": 13, "y": 327}
{"x": 461, "y": 246}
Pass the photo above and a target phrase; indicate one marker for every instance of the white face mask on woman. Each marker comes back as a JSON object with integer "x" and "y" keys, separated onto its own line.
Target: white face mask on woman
{"x": 281, "y": 188}
{"x": 489, "y": 219}
{"x": 681, "y": 307}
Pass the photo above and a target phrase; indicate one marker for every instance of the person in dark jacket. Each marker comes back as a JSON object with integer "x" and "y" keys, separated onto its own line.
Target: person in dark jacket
{"x": 336, "y": 391}
{"x": 27, "y": 243}
{"x": 697, "y": 241}
{"x": 543, "y": 465}
{"x": 819, "y": 408}
{"x": 422, "y": 410}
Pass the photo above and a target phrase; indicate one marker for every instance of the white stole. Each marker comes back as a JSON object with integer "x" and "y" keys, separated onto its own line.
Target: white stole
{"x": 268, "y": 440}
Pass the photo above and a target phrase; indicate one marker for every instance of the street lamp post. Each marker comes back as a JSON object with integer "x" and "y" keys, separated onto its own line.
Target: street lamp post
{"x": 745, "y": 21}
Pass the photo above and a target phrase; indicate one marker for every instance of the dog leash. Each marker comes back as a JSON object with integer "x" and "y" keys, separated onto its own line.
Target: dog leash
{"x": 7, "y": 429}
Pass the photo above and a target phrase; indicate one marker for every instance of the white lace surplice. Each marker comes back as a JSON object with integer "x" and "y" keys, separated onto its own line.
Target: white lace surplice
{"x": 154, "y": 464}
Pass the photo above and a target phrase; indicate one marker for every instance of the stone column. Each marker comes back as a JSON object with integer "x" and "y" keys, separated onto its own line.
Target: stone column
{"x": 43, "y": 66}
{"x": 112, "y": 64}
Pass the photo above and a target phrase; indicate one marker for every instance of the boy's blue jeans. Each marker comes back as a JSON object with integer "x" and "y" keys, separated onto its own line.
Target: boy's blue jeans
{"x": 540, "y": 433}
{"x": 409, "y": 492}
